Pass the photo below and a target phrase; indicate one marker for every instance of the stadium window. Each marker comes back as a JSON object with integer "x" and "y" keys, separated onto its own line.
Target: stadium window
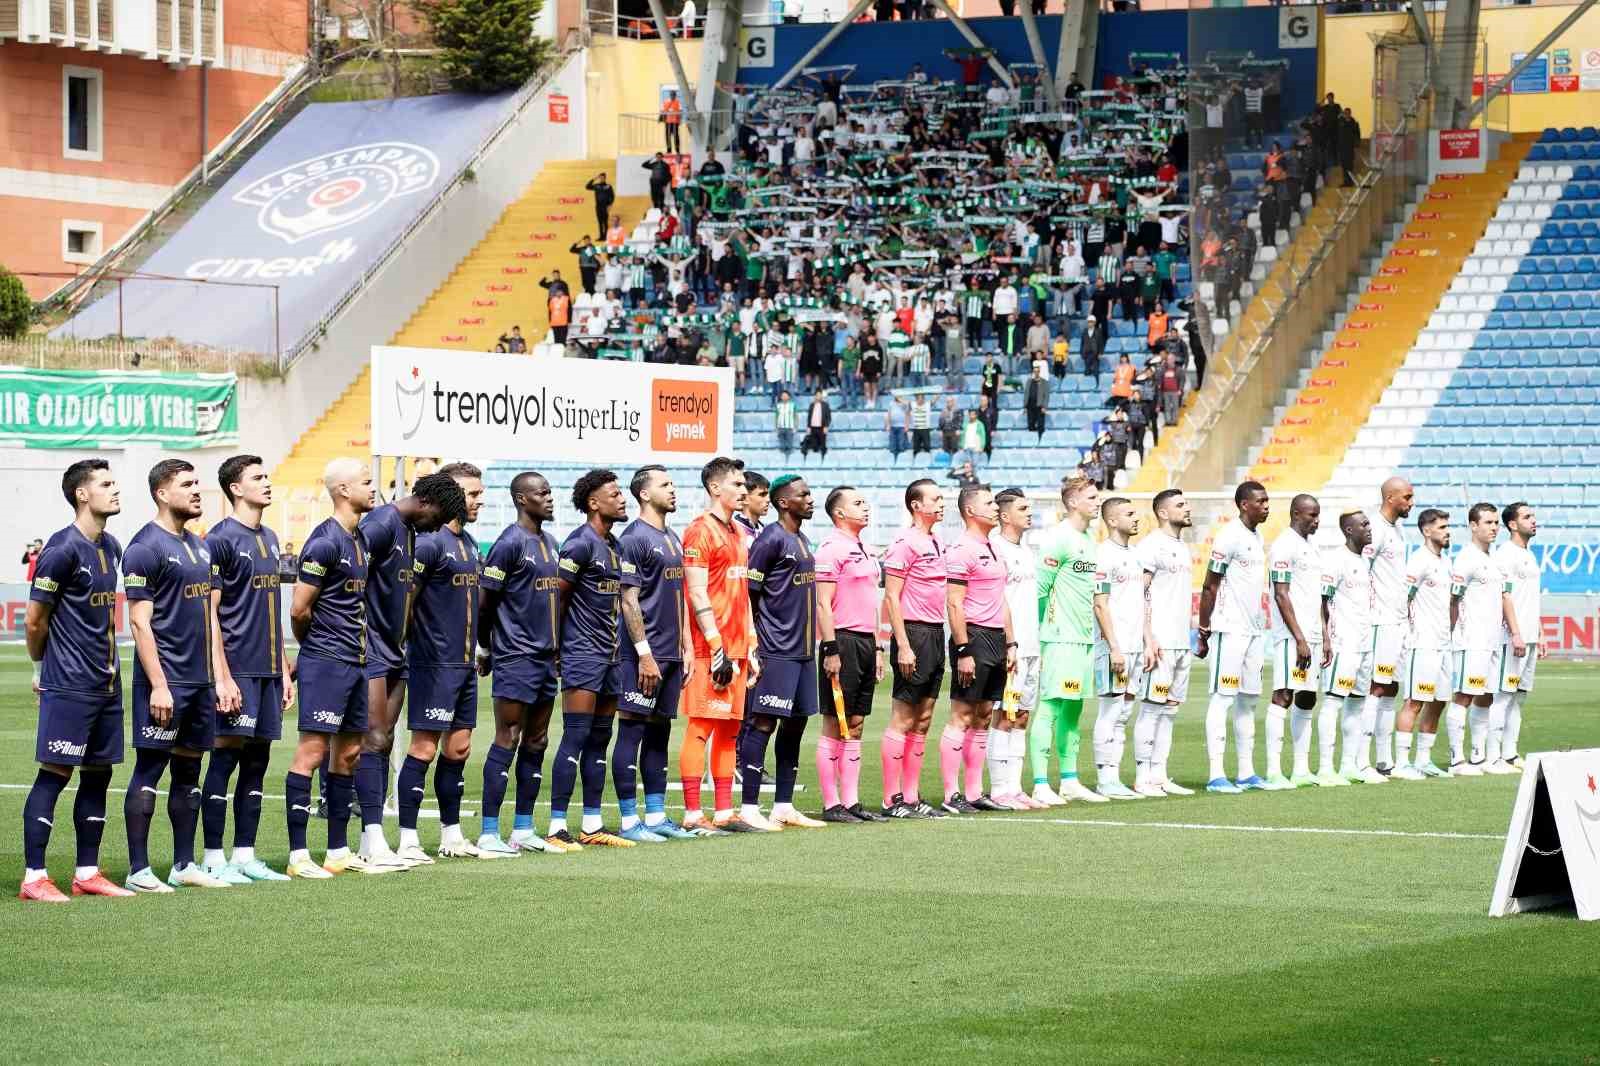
{"x": 80, "y": 241}
{"x": 81, "y": 113}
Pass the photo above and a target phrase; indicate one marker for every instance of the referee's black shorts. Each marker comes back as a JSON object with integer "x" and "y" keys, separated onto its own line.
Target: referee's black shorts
{"x": 927, "y": 644}
{"x": 858, "y": 673}
{"x": 988, "y": 648}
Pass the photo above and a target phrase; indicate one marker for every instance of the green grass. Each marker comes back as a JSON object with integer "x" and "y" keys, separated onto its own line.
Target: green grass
{"x": 1010, "y": 938}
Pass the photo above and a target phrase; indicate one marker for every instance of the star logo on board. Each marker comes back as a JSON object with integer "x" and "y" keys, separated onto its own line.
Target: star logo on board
{"x": 410, "y": 395}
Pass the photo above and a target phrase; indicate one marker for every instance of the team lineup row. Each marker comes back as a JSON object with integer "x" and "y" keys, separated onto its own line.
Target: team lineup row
{"x": 740, "y": 625}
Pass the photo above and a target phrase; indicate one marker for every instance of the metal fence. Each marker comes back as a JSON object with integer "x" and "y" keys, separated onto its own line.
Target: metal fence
{"x": 644, "y": 133}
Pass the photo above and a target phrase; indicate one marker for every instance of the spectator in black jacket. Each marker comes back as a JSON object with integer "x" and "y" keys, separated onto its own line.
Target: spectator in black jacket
{"x": 660, "y": 180}
{"x": 604, "y": 197}
{"x": 588, "y": 254}
{"x": 1349, "y": 137}
{"x": 1094, "y": 343}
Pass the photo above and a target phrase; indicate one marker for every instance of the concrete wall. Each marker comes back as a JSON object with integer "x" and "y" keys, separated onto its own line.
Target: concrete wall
{"x": 625, "y": 77}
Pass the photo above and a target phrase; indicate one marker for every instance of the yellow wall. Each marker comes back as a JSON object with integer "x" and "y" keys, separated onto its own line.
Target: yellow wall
{"x": 625, "y": 77}
{"x": 1346, "y": 63}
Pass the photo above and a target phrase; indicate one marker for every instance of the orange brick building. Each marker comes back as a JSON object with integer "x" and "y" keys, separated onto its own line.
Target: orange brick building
{"x": 100, "y": 111}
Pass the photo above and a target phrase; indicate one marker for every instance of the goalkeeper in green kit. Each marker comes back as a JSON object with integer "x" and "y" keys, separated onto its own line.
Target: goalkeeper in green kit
{"x": 1066, "y": 636}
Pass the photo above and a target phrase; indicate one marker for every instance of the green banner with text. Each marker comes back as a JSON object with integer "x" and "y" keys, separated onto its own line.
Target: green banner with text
{"x": 106, "y": 408}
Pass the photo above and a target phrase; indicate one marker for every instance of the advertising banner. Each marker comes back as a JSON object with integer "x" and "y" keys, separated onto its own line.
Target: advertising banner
{"x": 102, "y": 409}
{"x": 489, "y": 406}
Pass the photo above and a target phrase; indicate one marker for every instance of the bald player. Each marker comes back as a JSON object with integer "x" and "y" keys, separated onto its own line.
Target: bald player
{"x": 914, "y": 598}
{"x": 1300, "y": 647}
{"x": 1387, "y": 555}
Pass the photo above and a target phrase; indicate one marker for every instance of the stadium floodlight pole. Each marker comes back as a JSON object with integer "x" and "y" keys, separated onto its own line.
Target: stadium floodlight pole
{"x": 659, "y": 13}
{"x": 1538, "y": 50}
{"x": 1030, "y": 25}
{"x": 1074, "y": 16}
{"x": 977, "y": 42}
{"x": 821, "y": 46}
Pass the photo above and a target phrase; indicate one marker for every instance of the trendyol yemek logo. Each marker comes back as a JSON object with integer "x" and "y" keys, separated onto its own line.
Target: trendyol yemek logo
{"x": 338, "y": 189}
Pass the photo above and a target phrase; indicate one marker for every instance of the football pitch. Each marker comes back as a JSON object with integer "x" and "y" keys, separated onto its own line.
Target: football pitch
{"x": 1319, "y": 926}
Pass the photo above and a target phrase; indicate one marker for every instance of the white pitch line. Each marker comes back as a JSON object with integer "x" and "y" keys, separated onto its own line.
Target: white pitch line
{"x": 1209, "y": 827}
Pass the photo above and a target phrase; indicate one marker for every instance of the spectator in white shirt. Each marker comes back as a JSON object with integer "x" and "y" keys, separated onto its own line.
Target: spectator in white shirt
{"x": 1005, "y": 299}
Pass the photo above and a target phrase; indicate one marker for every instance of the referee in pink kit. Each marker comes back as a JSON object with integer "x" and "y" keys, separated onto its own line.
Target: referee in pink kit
{"x": 851, "y": 659}
{"x": 914, "y": 594}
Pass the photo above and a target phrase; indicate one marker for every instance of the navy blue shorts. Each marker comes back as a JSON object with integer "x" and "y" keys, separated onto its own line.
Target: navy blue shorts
{"x": 441, "y": 698}
{"x": 664, "y": 704}
{"x": 333, "y": 697}
{"x": 260, "y": 715}
{"x": 787, "y": 688}
{"x": 592, "y": 675}
{"x": 193, "y": 724}
{"x": 391, "y": 674}
{"x": 78, "y": 728}
{"x": 527, "y": 679}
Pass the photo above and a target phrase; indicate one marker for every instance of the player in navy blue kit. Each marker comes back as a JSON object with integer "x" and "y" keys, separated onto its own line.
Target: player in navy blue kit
{"x": 654, "y": 653}
{"x": 783, "y": 600}
{"x": 389, "y": 533}
{"x": 72, "y": 639}
{"x": 329, "y": 618}
{"x": 254, "y": 687}
{"x": 589, "y": 583}
{"x": 441, "y": 650}
{"x": 167, "y": 576}
{"x": 517, "y": 632}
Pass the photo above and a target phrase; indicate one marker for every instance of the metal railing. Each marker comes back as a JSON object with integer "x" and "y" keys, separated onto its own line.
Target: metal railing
{"x": 643, "y": 133}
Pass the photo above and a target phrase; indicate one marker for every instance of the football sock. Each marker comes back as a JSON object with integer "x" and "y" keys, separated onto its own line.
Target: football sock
{"x": 692, "y": 763}
{"x": 893, "y": 748}
{"x": 1478, "y": 719}
{"x": 1300, "y": 732}
{"x": 322, "y": 774}
{"x": 1104, "y": 726}
{"x": 1068, "y": 714}
{"x": 973, "y": 755}
{"x": 214, "y": 812}
{"x": 723, "y": 754}
{"x": 247, "y": 794}
{"x": 1425, "y": 747}
{"x": 1369, "y": 726}
{"x": 1388, "y": 709}
{"x": 568, "y": 761}
{"x": 530, "y": 766}
{"x": 296, "y": 800}
{"x": 448, "y": 786}
{"x": 89, "y": 812}
{"x": 593, "y": 770}
{"x": 1041, "y": 736}
{"x": 1327, "y": 731}
{"x": 999, "y": 757}
{"x": 1019, "y": 755}
{"x": 496, "y": 773}
{"x": 341, "y": 792}
{"x": 911, "y": 775}
{"x": 1244, "y": 734}
{"x": 1217, "y": 733}
{"x": 752, "y": 757}
{"x": 183, "y": 807}
{"x": 786, "y": 753}
{"x": 1169, "y": 719}
{"x": 951, "y": 741}
{"x": 653, "y": 766}
{"x": 1273, "y": 756}
{"x": 1402, "y": 750}
{"x": 1145, "y": 729}
{"x": 1498, "y": 711}
{"x": 1455, "y": 727}
{"x": 413, "y": 786}
{"x": 830, "y": 751}
{"x": 625, "y": 754}
{"x": 39, "y": 815}
{"x": 371, "y": 777}
{"x": 1352, "y": 726}
{"x": 1513, "y": 733}
{"x": 1119, "y": 733}
{"x": 850, "y": 774}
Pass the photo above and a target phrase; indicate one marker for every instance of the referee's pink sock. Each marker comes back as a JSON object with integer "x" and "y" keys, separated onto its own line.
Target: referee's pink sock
{"x": 972, "y": 759}
{"x": 850, "y": 773}
{"x": 828, "y": 770}
{"x": 894, "y": 748}
{"x": 911, "y": 786}
{"x": 951, "y": 743}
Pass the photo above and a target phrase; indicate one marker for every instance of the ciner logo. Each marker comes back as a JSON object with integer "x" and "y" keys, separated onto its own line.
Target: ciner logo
{"x": 683, "y": 416}
{"x": 410, "y": 401}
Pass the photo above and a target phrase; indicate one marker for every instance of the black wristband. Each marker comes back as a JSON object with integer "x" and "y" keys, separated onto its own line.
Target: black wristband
{"x": 828, "y": 647}
{"x": 1010, "y": 644}
{"x": 963, "y": 650}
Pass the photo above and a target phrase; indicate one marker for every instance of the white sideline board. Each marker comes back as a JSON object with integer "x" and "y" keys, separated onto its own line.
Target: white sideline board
{"x": 1552, "y": 851}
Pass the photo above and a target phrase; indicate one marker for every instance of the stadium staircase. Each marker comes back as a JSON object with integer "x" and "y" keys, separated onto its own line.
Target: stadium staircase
{"x": 492, "y": 289}
{"x": 1499, "y": 395}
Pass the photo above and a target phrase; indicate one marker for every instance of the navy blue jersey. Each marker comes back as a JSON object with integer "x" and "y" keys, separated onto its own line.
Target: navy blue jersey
{"x": 335, "y": 562}
{"x": 782, "y": 573}
{"x": 522, "y": 568}
{"x": 593, "y": 564}
{"x": 174, "y": 573}
{"x": 653, "y": 561}
{"x": 444, "y": 609}
{"x": 77, "y": 577}
{"x": 244, "y": 565}
{"x": 390, "y": 553}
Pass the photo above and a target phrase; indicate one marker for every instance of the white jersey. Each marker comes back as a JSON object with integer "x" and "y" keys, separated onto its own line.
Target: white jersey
{"x": 1387, "y": 554}
{"x": 1349, "y": 582}
{"x": 1296, "y": 562}
{"x": 1480, "y": 623}
{"x": 1520, "y": 571}
{"x": 1166, "y": 559}
{"x": 1238, "y": 556}
{"x": 1021, "y": 591}
{"x": 1119, "y": 576}
{"x": 1428, "y": 586}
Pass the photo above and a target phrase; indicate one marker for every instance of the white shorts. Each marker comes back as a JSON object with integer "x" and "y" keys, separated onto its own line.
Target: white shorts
{"x": 1388, "y": 652}
{"x": 1286, "y": 675}
{"x": 1476, "y": 671}
{"x": 1349, "y": 673}
{"x": 1427, "y": 675}
{"x": 1108, "y": 684}
{"x": 1025, "y": 680}
{"x": 1236, "y": 660}
{"x": 1516, "y": 675}
{"x": 1168, "y": 680}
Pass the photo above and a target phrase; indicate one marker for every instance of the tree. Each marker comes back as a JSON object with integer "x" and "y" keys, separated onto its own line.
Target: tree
{"x": 487, "y": 45}
{"x": 16, "y": 309}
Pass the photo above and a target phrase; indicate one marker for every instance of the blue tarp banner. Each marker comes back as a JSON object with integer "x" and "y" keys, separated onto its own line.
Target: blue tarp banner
{"x": 309, "y": 212}
{"x": 1568, "y": 569}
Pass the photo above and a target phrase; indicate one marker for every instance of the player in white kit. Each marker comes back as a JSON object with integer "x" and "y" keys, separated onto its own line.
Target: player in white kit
{"x": 1520, "y": 649}
{"x": 1348, "y": 675}
{"x": 1119, "y": 615}
{"x": 1231, "y": 604}
{"x": 1008, "y": 735}
{"x": 1169, "y": 593}
{"x": 1388, "y": 558}
{"x": 1426, "y": 676}
{"x": 1299, "y": 647}
{"x": 1479, "y": 609}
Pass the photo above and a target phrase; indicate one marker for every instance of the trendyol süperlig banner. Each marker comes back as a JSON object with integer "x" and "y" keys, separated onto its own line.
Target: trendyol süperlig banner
{"x": 299, "y": 223}
{"x": 438, "y": 402}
